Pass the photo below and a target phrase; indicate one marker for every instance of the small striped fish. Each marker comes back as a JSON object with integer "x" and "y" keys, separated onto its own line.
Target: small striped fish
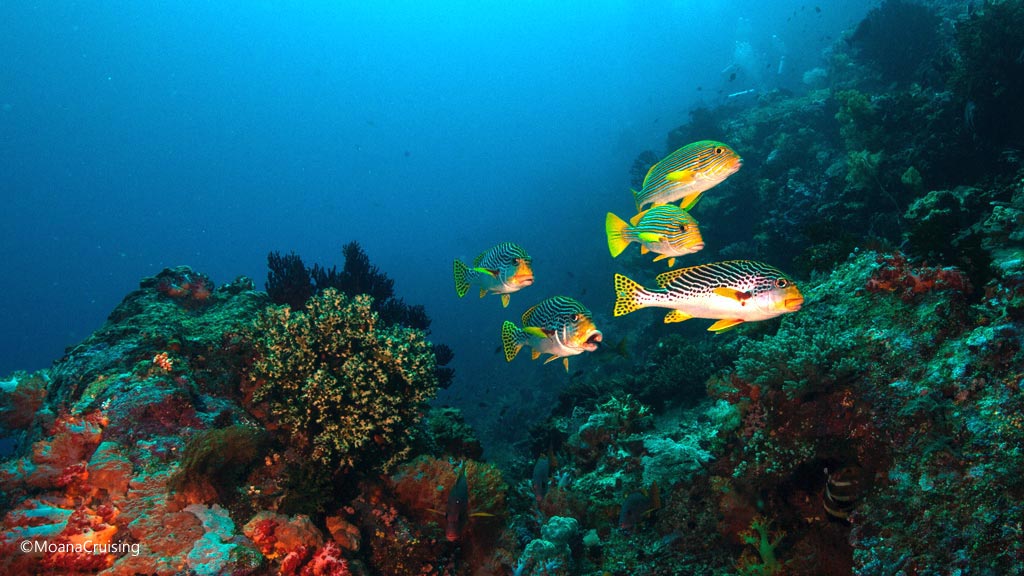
{"x": 501, "y": 270}
{"x": 559, "y": 326}
{"x": 731, "y": 292}
{"x": 667, "y": 230}
{"x": 687, "y": 173}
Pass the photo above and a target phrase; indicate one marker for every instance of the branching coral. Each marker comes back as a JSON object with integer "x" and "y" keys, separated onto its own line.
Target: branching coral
{"x": 764, "y": 542}
{"x": 345, "y": 389}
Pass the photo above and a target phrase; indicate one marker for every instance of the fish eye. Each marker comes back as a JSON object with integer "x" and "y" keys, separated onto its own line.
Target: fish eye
{"x": 781, "y": 283}
{"x": 574, "y": 317}
{"x": 683, "y": 228}
{"x": 719, "y": 150}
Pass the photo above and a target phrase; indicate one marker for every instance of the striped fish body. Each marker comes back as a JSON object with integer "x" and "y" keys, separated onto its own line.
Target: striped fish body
{"x": 666, "y": 230}
{"x": 559, "y": 326}
{"x": 731, "y": 292}
{"x": 687, "y": 173}
{"x": 502, "y": 270}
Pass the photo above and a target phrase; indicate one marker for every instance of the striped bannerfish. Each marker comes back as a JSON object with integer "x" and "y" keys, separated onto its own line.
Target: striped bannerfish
{"x": 687, "y": 173}
{"x": 560, "y": 326}
{"x": 501, "y": 270}
{"x": 842, "y": 489}
{"x": 667, "y": 230}
{"x": 731, "y": 292}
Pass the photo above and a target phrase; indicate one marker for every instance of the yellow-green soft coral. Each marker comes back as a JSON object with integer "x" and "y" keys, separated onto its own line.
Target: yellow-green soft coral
{"x": 347, "y": 389}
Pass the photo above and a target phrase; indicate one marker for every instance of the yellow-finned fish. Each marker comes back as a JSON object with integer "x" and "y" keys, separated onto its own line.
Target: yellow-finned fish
{"x": 667, "y": 230}
{"x": 504, "y": 269}
{"x": 559, "y": 326}
{"x": 687, "y": 173}
{"x": 731, "y": 292}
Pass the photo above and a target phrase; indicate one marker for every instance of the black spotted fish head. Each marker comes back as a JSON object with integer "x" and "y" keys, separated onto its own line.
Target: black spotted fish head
{"x": 777, "y": 293}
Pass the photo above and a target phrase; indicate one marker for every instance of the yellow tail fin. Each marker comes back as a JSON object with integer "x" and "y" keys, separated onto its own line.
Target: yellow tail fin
{"x": 626, "y": 293}
{"x": 461, "y": 278}
{"x": 511, "y": 340}
{"x": 614, "y": 227}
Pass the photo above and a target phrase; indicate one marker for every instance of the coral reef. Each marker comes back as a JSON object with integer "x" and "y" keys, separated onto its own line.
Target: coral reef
{"x": 135, "y": 454}
{"x": 205, "y": 430}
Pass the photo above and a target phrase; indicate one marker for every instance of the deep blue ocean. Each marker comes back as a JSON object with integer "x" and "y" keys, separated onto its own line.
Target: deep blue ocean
{"x": 140, "y": 135}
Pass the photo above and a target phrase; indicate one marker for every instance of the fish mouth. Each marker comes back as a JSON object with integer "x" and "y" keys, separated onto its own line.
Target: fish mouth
{"x": 793, "y": 304}
{"x": 590, "y": 344}
{"x": 523, "y": 280}
{"x": 697, "y": 247}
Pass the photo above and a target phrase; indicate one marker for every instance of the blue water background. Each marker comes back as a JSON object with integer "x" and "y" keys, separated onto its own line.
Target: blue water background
{"x": 140, "y": 135}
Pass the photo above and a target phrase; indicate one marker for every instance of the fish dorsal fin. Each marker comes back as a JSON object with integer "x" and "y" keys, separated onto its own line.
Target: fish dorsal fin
{"x": 676, "y": 316}
{"x": 636, "y": 219}
{"x": 733, "y": 294}
{"x": 537, "y": 331}
{"x": 504, "y": 300}
{"x": 649, "y": 170}
{"x": 488, "y": 271}
{"x": 666, "y": 278}
{"x": 724, "y": 324}
{"x": 684, "y": 176}
{"x": 528, "y": 314}
{"x": 650, "y": 237}
{"x": 479, "y": 259}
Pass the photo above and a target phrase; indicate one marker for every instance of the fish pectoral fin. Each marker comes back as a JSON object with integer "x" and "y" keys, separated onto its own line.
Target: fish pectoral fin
{"x": 676, "y": 316}
{"x": 504, "y": 300}
{"x": 650, "y": 237}
{"x": 733, "y": 294}
{"x": 536, "y": 331}
{"x": 488, "y": 271}
{"x": 681, "y": 176}
{"x": 688, "y": 203}
{"x": 725, "y": 324}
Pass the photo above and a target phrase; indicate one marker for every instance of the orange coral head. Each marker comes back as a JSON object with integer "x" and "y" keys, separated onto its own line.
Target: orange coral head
{"x": 163, "y": 362}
